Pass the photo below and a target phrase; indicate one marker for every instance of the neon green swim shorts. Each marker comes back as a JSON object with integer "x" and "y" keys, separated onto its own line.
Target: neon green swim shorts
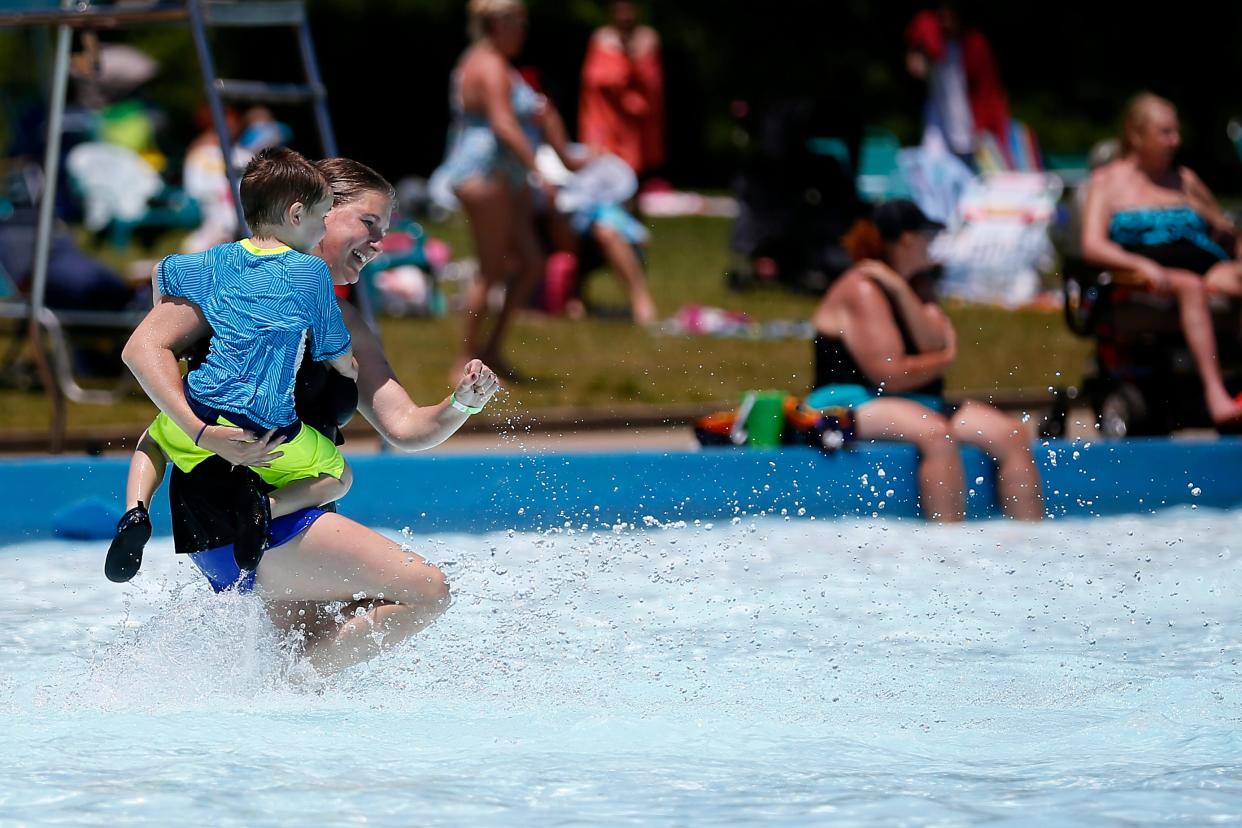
{"x": 309, "y": 454}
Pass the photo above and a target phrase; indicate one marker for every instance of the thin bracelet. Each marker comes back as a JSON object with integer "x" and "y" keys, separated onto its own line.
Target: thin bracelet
{"x": 463, "y": 408}
{"x": 200, "y": 433}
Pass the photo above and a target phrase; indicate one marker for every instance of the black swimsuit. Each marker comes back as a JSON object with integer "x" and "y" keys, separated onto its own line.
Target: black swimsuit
{"x": 203, "y": 502}
{"x": 835, "y": 365}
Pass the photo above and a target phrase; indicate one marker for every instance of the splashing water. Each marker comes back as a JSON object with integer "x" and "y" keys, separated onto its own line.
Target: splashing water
{"x": 765, "y": 670}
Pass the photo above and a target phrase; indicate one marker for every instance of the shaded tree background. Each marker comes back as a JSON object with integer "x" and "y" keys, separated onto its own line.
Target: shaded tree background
{"x": 1069, "y": 67}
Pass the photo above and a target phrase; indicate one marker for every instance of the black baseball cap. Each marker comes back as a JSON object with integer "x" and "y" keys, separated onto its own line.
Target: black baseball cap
{"x": 902, "y": 216}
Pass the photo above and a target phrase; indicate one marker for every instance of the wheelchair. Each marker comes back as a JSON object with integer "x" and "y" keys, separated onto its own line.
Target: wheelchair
{"x": 1142, "y": 379}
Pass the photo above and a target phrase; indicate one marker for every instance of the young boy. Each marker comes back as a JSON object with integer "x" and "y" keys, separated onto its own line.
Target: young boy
{"x": 263, "y": 297}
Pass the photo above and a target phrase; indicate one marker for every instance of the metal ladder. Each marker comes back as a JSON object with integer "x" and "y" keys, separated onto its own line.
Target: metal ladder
{"x": 251, "y": 14}
{"x": 47, "y": 328}
{"x": 204, "y": 14}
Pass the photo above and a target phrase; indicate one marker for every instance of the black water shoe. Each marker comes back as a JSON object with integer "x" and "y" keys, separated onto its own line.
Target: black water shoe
{"x": 133, "y": 531}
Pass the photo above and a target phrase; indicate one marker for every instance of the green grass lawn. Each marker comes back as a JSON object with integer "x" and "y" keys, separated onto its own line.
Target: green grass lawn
{"x": 605, "y": 364}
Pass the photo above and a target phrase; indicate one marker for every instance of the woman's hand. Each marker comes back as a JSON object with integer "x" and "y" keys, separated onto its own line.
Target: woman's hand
{"x": 1154, "y": 275}
{"x": 240, "y": 447}
{"x": 635, "y": 104}
{"x": 478, "y": 385}
{"x": 539, "y": 184}
{"x": 883, "y": 274}
{"x": 576, "y": 161}
{"x": 950, "y": 343}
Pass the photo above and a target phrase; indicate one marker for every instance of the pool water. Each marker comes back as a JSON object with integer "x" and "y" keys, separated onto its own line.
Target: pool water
{"x": 1076, "y": 672}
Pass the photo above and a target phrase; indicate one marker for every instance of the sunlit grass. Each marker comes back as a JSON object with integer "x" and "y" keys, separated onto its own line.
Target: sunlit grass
{"x": 606, "y": 364}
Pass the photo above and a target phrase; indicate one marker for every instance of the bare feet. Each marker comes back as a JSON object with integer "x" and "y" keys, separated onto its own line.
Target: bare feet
{"x": 644, "y": 309}
{"x": 1225, "y": 410}
{"x": 575, "y": 310}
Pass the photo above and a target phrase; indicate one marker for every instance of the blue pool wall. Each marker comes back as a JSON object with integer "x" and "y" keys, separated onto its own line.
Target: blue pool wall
{"x": 82, "y": 497}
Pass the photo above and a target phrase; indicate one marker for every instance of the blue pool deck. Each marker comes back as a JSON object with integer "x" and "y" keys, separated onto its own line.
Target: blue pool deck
{"x": 81, "y": 497}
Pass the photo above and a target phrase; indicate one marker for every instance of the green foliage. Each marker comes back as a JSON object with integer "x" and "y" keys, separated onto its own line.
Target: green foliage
{"x": 1068, "y": 67}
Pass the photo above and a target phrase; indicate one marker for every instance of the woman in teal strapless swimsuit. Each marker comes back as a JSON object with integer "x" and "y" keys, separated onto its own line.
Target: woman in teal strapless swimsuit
{"x": 1153, "y": 219}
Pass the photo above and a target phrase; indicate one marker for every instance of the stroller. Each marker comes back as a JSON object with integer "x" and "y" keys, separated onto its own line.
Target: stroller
{"x": 1141, "y": 379}
{"x": 796, "y": 198}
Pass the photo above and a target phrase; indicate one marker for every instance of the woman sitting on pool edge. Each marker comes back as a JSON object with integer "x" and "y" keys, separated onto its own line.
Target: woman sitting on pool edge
{"x": 882, "y": 349}
{"x": 317, "y": 558}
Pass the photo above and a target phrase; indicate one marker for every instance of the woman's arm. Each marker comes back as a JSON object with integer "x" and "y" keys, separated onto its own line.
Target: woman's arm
{"x": 872, "y": 337}
{"x": 1099, "y": 249}
{"x": 170, "y": 327}
{"x": 492, "y": 74}
{"x": 346, "y": 365}
{"x": 557, "y": 137}
{"x": 387, "y": 405}
{"x": 1207, "y": 206}
{"x": 151, "y": 354}
{"x": 924, "y": 321}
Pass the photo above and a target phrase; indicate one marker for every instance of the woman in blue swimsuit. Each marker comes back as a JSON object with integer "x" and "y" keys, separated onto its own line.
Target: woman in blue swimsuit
{"x": 489, "y": 168}
{"x": 1152, "y": 220}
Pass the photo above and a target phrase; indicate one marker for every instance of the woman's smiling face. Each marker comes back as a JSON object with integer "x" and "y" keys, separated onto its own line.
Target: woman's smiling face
{"x": 354, "y": 232}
